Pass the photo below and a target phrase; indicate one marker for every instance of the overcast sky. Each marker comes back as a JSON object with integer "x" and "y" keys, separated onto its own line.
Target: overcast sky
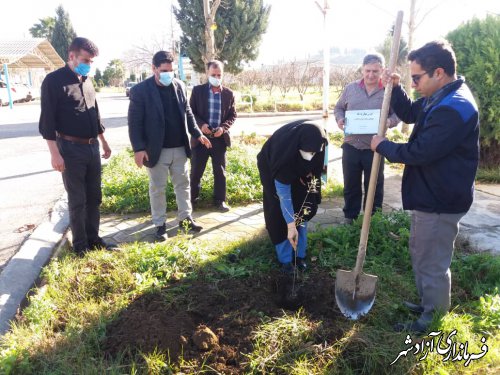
{"x": 295, "y": 27}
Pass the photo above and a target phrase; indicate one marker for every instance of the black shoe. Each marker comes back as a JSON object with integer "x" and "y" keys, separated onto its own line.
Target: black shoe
{"x": 161, "y": 233}
{"x": 222, "y": 206}
{"x": 414, "y": 327}
{"x": 301, "y": 264}
{"x": 101, "y": 244}
{"x": 287, "y": 268}
{"x": 189, "y": 224}
{"x": 413, "y": 307}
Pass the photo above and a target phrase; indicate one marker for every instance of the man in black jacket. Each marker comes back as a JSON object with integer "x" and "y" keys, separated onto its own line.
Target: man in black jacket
{"x": 441, "y": 160}
{"x": 71, "y": 125}
{"x": 214, "y": 110}
{"x": 160, "y": 121}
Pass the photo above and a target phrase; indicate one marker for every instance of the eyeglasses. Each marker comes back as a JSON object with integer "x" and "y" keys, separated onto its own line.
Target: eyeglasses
{"x": 416, "y": 77}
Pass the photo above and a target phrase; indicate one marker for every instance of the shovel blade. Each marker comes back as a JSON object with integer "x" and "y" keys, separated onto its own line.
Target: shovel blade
{"x": 354, "y": 297}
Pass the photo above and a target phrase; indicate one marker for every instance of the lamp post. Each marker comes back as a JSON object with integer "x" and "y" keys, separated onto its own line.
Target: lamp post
{"x": 326, "y": 78}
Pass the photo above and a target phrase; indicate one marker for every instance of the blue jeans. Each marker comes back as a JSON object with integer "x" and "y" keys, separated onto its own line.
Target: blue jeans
{"x": 284, "y": 249}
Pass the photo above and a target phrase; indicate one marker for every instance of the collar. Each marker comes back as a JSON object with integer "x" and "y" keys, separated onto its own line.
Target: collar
{"x": 363, "y": 86}
{"x": 442, "y": 92}
{"x": 72, "y": 72}
{"x": 215, "y": 89}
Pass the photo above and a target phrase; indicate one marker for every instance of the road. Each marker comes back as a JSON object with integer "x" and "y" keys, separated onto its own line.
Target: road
{"x": 28, "y": 185}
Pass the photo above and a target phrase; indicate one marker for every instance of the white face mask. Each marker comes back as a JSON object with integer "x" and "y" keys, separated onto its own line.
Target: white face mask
{"x": 214, "y": 81}
{"x": 306, "y": 155}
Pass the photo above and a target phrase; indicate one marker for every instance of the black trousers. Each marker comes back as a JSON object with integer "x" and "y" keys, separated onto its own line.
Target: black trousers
{"x": 199, "y": 158}
{"x": 355, "y": 165}
{"x": 82, "y": 180}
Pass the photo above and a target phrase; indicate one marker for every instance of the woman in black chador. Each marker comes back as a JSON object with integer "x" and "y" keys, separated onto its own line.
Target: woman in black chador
{"x": 290, "y": 166}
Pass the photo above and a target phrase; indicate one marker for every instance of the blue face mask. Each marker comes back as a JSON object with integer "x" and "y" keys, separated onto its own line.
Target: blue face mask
{"x": 82, "y": 69}
{"x": 216, "y": 82}
{"x": 166, "y": 78}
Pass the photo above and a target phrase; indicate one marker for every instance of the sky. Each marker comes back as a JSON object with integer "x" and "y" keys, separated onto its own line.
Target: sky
{"x": 295, "y": 26}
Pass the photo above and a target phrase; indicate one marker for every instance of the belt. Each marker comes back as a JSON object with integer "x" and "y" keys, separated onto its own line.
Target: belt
{"x": 83, "y": 141}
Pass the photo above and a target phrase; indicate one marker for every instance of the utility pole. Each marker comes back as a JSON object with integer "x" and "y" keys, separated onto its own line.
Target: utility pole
{"x": 326, "y": 57}
{"x": 411, "y": 33}
{"x": 326, "y": 79}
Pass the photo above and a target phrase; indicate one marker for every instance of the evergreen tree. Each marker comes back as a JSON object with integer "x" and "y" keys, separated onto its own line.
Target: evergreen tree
{"x": 114, "y": 73}
{"x": 240, "y": 25}
{"x": 98, "y": 75}
{"x": 44, "y": 28}
{"x": 476, "y": 45}
{"x": 63, "y": 33}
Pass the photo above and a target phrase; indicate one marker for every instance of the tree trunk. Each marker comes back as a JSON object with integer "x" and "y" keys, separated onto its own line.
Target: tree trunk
{"x": 209, "y": 13}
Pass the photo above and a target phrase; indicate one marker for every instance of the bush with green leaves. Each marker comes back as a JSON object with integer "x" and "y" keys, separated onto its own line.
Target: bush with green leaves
{"x": 477, "y": 45}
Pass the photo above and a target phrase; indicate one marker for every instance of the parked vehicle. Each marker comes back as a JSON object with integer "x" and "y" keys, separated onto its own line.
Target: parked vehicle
{"x": 4, "y": 94}
{"x": 128, "y": 86}
{"x": 20, "y": 92}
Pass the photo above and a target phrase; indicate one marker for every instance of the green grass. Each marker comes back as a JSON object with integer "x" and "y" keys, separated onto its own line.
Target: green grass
{"x": 125, "y": 187}
{"x": 488, "y": 175}
{"x": 62, "y": 330}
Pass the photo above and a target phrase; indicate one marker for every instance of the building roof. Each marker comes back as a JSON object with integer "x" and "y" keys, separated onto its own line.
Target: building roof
{"x": 30, "y": 53}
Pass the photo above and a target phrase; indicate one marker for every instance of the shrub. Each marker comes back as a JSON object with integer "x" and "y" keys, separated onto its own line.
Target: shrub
{"x": 476, "y": 45}
{"x": 125, "y": 187}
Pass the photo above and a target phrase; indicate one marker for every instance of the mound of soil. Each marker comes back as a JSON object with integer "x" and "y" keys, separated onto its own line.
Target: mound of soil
{"x": 212, "y": 322}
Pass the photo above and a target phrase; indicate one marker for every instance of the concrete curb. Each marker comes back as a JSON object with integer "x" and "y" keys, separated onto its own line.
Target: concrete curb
{"x": 23, "y": 269}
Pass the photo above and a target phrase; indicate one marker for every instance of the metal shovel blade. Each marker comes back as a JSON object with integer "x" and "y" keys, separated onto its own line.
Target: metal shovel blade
{"x": 355, "y": 297}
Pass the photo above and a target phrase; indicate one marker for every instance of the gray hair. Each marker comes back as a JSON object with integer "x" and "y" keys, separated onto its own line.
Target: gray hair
{"x": 374, "y": 58}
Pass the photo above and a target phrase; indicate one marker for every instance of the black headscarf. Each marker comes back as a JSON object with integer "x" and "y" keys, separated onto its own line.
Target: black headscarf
{"x": 281, "y": 151}
{"x": 280, "y": 160}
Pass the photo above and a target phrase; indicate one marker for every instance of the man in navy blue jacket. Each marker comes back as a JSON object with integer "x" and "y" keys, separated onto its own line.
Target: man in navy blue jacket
{"x": 441, "y": 159}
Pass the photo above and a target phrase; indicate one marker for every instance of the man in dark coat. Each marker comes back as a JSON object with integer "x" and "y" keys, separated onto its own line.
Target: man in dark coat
{"x": 214, "y": 110}
{"x": 290, "y": 166}
{"x": 160, "y": 121}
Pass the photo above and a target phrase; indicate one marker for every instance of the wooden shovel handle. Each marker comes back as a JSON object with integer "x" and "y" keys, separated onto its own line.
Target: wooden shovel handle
{"x": 363, "y": 240}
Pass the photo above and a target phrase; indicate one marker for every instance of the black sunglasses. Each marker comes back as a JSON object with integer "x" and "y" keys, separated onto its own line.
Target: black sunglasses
{"x": 416, "y": 77}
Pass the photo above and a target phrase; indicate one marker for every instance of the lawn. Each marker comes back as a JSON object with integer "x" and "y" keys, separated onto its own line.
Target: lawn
{"x": 191, "y": 307}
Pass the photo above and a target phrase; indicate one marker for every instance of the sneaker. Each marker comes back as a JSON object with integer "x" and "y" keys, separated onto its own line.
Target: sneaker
{"x": 222, "y": 206}
{"x": 287, "y": 268}
{"x": 301, "y": 264}
{"x": 161, "y": 233}
{"x": 189, "y": 224}
{"x": 413, "y": 307}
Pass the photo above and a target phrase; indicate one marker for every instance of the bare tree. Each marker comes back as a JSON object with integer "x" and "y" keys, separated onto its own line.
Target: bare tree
{"x": 140, "y": 56}
{"x": 342, "y": 75}
{"x": 307, "y": 74}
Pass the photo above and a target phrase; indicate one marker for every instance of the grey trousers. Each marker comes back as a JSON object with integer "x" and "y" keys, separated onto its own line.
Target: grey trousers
{"x": 432, "y": 239}
{"x": 172, "y": 161}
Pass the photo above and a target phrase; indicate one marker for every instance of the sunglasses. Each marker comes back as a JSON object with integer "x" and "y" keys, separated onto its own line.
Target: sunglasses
{"x": 416, "y": 77}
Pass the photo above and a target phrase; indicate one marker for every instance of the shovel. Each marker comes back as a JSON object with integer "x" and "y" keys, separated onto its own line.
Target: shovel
{"x": 355, "y": 290}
